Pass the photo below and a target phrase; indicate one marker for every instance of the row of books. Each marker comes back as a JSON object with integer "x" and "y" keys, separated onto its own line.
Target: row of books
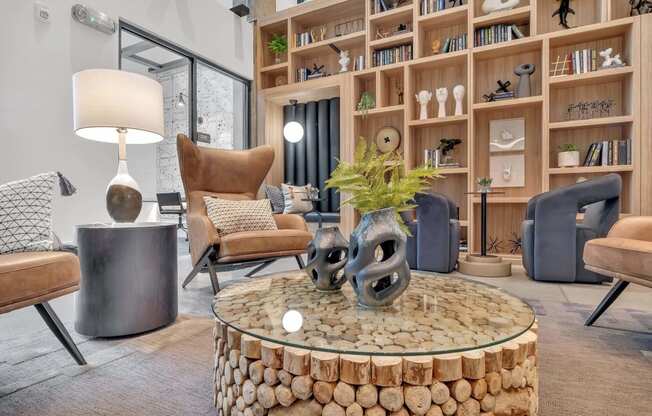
{"x": 496, "y": 34}
{"x": 304, "y": 74}
{"x": 302, "y": 39}
{"x": 432, "y": 6}
{"x": 582, "y": 61}
{"x": 381, "y": 6}
{"x": 392, "y": 55}
{"x": 457, "y": 43}
{"x": 609, "y": 153}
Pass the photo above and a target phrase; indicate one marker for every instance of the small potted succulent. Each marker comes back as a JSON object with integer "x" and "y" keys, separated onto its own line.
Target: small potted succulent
{"x": 484, "y": 184}
{"x": 278, "y": 45}
{"x": 568, "y": 156}
{"x": 366, "y": 103}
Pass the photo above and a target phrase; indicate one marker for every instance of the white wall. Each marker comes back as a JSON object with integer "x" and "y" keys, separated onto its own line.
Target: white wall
{"x": 38, "y": 60}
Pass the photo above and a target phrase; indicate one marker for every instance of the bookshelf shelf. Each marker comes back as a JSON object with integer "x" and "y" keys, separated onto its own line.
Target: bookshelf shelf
{"x": 443, "y": 121}
{"x": 454, "y": 171}
{"x": 442, "y": 59}
{"x": 591, "y": 169}
{"x": 591, "y": 122}
{"x": 380, "y": 111}
{"x": 444, "y": 17}
{"x": 594, "y": 77}
{"x": 513, "y": 47}
{"x": 390, "y": 41}
{"x": 404, "y": 11}
{"x": 342, "y": 42}
{"x": 275, "y": 68}
{"x": 509, "y": 104}
{"x": 518, "y": 15}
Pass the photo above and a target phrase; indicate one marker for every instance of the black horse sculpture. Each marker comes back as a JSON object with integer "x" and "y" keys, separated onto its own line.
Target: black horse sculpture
{"x": 563, "y": 10}
{"x": 640, "y": 7}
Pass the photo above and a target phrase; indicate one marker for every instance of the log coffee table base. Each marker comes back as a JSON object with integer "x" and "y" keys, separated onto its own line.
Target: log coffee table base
{"x": 256, "y": 378}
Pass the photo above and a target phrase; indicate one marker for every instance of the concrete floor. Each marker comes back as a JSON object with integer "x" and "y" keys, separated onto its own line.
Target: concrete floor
{"x": 195, "y": 299}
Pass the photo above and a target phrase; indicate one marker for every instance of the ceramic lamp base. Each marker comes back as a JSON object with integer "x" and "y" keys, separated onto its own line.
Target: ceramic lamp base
{"x": 123, "y": 197}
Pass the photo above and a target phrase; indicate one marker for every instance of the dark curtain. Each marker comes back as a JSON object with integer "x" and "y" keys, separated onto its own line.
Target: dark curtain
{"x": 314, "y": 158}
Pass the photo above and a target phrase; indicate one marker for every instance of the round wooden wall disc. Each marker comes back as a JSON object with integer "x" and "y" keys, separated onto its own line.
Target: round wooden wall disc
{"x": 388, "y": 139}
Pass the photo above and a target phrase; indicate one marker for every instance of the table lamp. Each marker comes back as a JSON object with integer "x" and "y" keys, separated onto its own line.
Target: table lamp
{"x": 121, "y": 107}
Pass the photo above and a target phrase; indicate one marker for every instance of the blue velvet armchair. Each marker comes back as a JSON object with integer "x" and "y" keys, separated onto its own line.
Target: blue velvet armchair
{"x": 553, "y": 240}
{"x": 435, "y": 242}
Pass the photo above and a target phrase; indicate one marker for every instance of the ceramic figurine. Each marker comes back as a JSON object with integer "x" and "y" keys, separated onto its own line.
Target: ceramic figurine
{"x": 344, "y": 61}
{"x": 524, "y": 71}
{"x": 442, "y": 96}
{"x": 610, "y": 61}
{"x": 563, "y": 11}
{"x": 458, "y": 93}
{"x": 423, "y": 98}
{"x": 435, "y": 46}
{"x": 490, "y": 6}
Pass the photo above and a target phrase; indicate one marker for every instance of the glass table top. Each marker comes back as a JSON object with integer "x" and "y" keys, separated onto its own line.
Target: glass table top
{"x": 435, "y": 315}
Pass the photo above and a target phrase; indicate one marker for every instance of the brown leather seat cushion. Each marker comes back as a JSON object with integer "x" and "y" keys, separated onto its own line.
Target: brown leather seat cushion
{"x": 259, "y": 244}
{"x": 35, "y": 277}
{"x": 620, "y": 255}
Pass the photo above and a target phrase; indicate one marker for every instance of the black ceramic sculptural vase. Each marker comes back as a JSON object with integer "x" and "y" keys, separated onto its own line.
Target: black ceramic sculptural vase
{"x": 327, "y": 254}
{"x": 378, "y": 279}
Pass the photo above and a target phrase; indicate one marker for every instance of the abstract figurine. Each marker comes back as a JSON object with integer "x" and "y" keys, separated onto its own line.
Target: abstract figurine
{"x": 524, "y": 71}
{"x": 562, "y": 11}
{"x": 442, "y": 96}
{"x": 610, "y": 61}
{"x": 423, "y": 98}
{"x": 344, "y": 61}
{"x": 458, "y": 93}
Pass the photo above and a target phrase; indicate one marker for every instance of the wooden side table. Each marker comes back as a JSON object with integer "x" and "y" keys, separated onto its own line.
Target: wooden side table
{"x": 128, "y": 278}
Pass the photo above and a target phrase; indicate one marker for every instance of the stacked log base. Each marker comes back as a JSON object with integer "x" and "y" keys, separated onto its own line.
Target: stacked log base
{"x": 257, "y": 378}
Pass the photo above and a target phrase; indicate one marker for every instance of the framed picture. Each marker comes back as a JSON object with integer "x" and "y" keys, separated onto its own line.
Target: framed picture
{"x": 507, "y": 135}
{"x": 507, "y": 171}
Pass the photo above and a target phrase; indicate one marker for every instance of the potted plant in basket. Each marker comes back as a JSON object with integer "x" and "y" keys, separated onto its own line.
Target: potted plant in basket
{"x": 380, "y": 188}
{"x": 278, "y": 45}
{"x": 568, "y": 156}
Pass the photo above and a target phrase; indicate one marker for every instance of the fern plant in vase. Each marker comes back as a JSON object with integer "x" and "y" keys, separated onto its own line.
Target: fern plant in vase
{"x": 278, "y": 45}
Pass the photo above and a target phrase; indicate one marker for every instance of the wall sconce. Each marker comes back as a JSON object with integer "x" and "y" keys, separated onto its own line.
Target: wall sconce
{"x": 293, "y": 130}
{"x": 180, "y": 101}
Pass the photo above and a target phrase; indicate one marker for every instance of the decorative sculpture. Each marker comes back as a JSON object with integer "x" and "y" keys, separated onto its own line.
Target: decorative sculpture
{"x": 399, "y": 91}
{"x": 327, "y": 254}
{"x": 344, "y": 61}
{"x": 516, "y": 243}
{"x": 435, "y": 46}
{"x": 524, "y": 71}
{"x": 388, "y": 139}
{"x": 490, "y": 6}
{"x": 458, "y": 93}
{"x": 442, "y": 96}
{"x": 610, "y": 61}
{"x": 640, "y": 6}
{"x": 562, "y": 11}
{"x": 377, "y": 269}
{"x": 423, "y": 98}
{"x": 501, "y": 93}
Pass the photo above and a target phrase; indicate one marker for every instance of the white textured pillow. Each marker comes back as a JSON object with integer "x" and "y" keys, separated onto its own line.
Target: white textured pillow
{"x": 230, "y": 216}
{"x": 294, "y": 197}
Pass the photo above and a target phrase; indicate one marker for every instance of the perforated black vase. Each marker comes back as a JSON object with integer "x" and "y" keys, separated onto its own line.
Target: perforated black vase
{"x": 377, "y": 267}
{"x": 327, "y": 254}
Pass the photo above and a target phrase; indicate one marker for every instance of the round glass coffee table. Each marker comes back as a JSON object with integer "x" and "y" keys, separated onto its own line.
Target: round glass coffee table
{"x": 447, "y": 346}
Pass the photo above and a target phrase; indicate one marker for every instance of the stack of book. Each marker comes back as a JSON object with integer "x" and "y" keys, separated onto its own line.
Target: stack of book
{"x": 582, "y": 61}
{"x": 496, "y": 34}
{"x": 432, "y": 6}
{"x": 505, "y": 95}
{"x": 609, "y": 153}
{"x": 302, "y": 39}
{"x": 358, "y": 64}
{"x": 457, "y": 43}
{"x": 392, "y": 55}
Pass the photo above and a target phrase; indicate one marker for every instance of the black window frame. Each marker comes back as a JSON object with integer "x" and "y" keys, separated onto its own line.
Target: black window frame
{"x": 194, "y": 60}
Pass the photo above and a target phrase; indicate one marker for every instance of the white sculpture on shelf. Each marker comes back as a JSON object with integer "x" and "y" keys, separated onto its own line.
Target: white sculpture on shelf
{"x": 344, "y": 61}
{"x": 610, "y": 61}
{"x": 442, "y": 96}
{"x": 458, "y": 93}
{"x": 490, "y": 6}
{"x": 423, "y": 98}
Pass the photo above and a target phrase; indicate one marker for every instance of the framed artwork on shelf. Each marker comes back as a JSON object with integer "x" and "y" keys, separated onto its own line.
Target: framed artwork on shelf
{"x": 507, "y": 135}
{"x": 507, "y": 171}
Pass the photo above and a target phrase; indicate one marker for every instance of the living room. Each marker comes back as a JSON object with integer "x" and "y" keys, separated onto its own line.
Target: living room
{"x": 335, "y": 207}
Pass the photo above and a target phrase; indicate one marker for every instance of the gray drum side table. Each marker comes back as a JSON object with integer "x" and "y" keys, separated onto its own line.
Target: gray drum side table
{"x": 128, "y": 278}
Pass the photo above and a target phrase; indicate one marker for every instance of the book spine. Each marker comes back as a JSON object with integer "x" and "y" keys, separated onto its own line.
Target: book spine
{"x": 605, "y": 153}
{"x": 589, "y": 152}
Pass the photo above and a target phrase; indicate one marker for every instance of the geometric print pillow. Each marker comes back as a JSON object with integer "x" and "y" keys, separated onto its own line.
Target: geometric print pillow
{"x": 229, "y": 216}
{"x": 26, "y": 214}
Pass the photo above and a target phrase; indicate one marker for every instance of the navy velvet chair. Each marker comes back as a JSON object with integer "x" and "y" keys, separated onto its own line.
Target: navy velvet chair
{"x": 553, "y": 240}
{"x": 435, "y": 242}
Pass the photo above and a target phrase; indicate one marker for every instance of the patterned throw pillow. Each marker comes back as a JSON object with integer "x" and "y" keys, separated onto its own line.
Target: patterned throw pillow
{"x": 275, "y": 196}
{"x": 295, "y": 199}
{"x": 236, "y": 216}
{"x": 26, "y": 214}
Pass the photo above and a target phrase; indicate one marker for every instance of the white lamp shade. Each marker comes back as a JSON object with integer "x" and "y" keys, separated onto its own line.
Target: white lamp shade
{"x": 107, "y": 99}
{"x": 293, "y": 132}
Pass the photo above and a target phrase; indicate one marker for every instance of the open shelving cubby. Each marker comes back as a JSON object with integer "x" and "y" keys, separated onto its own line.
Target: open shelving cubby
{"x": 435, "y": 28}
{"x": 274, "y": 70}
{"x": 587, "y": 12}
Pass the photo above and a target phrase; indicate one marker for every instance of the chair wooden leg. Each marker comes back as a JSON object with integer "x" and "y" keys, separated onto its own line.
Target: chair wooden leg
{"x": 300, "y": 262}
{"x": 60, "y": 331}
{"x": 259, "y": 268}
{"x": 613, "y": 294}
{"x": 213, "y": 275}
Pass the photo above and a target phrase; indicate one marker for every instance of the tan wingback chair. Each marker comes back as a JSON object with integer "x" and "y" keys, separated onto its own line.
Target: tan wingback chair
{"x": 236, "y": 175}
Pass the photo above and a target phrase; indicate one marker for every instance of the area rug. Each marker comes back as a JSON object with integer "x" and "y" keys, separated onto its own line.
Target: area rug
{"x": 583, "y": 371}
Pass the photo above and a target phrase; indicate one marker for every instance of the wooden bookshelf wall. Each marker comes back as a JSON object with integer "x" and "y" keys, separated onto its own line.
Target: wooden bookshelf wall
{"x": 597, "y": 24}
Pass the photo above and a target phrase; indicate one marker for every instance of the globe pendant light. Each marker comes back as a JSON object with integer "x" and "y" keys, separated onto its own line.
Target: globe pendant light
{"x": 293, "y": 130}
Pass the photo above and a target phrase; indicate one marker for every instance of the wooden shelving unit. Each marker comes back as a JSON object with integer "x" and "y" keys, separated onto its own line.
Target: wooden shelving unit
{"x": 598, "y": 24}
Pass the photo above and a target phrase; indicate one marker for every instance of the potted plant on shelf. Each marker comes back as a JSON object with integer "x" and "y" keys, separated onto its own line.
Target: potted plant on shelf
{"x": 568, "y": 156}
{"x": 446, "y": 147}
{"x": 366, "y": 103}
{"x": 278, "y": 45}
{"x": 484, "y": 184}
{"x": 380, "y": 188}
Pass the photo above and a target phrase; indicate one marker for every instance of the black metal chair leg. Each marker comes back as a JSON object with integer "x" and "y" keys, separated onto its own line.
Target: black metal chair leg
{"x": 300, "y": 262}
{"x": 198, "y": 267}
{"x": 213, "y": 275}
{"x": 259, "y": 268}
{"x": 613, "y": 294}
{"x": 60, "y": 331}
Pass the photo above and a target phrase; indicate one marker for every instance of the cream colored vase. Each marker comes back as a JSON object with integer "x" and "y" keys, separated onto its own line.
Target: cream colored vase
{"x": 568, "y": 159}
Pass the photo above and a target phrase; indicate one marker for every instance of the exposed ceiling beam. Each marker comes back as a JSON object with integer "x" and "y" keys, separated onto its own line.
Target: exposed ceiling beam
{"x": 137, "y": 48}
{"x": 170, "y": 65}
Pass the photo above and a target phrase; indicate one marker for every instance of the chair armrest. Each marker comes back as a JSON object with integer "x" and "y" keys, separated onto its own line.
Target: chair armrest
{"x": 635, "y": 228}
{"x": 202, "y": 234}
{"x": 290, "y": 222}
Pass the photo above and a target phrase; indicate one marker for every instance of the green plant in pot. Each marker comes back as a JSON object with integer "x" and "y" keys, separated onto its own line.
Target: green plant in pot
{"x": 278, "y": 45}
{"x": 484, "y": 184}
{"x": 380, "y": 188}
{"x": 366, "y": 103}
{"x": 568, "y": 156}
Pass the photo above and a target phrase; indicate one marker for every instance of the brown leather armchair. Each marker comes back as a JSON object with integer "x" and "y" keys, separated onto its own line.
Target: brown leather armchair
{"x": 34, "y": 278}
{"x": 236, "y": 175}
